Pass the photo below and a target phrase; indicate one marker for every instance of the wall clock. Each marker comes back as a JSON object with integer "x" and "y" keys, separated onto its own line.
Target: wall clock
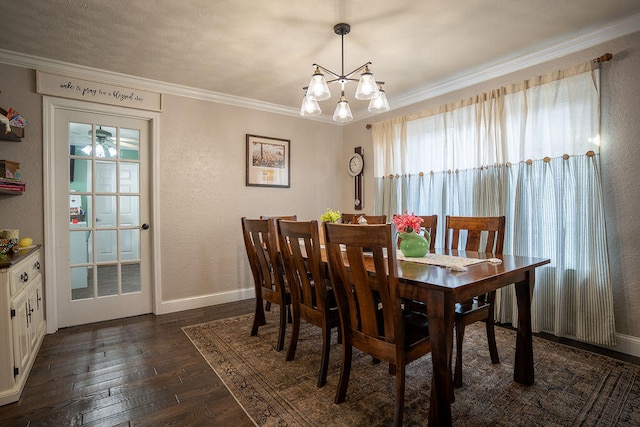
{"x": 355, "y": 165}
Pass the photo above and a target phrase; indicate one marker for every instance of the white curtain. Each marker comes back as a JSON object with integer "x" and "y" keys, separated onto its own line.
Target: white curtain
{"x": 530, "y": 152}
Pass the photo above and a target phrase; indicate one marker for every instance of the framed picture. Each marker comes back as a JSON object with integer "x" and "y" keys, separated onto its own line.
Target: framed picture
{"x": 268, "y": 161}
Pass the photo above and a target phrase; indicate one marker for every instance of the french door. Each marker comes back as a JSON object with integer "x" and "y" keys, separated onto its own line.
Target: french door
{"x": 103, "y": 246}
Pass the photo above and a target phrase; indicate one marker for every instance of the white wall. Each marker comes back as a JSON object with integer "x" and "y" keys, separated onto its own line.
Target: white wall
{"x": 620, "y": 157}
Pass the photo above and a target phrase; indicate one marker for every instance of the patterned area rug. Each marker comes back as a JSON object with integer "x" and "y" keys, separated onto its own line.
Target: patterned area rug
{"x": 572, "y": 388}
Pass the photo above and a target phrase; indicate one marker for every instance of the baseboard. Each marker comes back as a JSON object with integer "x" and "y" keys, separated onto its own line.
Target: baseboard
{"x": 626, "y": 344}
{"x": 199, "y": 301}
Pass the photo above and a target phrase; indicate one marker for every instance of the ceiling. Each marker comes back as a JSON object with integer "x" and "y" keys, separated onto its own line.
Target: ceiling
{"x": 264, "y": 50}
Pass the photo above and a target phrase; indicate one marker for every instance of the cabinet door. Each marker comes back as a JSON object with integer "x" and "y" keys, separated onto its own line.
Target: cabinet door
{"x": 38, "y": 304}
{"x": 20, "y": 328}
{"x": 32, "y": 313}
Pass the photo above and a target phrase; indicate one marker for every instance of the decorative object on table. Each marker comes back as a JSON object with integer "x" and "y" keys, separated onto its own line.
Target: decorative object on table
{"x": 412, "y": 243}
{"x": 362, "y": 220}
{"x": 8, "y": 246}
{"x": 368, "y": 88}
{"x": 25, "y": 242}
{"x": 330, "y": 216}
{"x": 268, "y": 162}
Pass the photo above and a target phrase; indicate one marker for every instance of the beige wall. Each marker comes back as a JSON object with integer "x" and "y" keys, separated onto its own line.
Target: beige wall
{"x": 204, "y": 193}
{"x": 620, "y": 155}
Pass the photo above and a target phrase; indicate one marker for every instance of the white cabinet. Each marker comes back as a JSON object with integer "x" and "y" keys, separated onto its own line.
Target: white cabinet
{"x": 22, "y": 323}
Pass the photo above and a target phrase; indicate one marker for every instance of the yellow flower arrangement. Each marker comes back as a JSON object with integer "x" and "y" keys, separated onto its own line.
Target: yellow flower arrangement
{"x": 330, "y": 216}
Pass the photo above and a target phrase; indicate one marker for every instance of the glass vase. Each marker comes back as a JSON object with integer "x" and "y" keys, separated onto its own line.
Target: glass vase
{"x": 414, "y": 245}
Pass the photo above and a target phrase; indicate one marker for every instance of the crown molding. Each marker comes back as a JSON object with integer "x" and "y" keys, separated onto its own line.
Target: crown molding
{"x": 534, "y": 56}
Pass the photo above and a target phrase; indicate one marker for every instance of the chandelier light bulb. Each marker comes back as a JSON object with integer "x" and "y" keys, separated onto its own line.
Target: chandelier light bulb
{"x": 309, "y": 107}
{"x": 343, "y": 112}
{"x": 367, "y": 86}
{"x": 318, "y": 88}
{"x": 379, "y": 103}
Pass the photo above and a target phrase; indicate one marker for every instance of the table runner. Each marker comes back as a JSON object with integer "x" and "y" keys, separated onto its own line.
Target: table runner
{"x": 441, "y": 260}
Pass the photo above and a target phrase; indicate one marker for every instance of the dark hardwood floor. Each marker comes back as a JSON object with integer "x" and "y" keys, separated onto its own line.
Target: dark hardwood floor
{"x": 139, "y": 371}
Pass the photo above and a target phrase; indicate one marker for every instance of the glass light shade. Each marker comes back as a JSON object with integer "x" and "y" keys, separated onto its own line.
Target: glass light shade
{"x": 379, "y": 104}
{"x": 343, "y": 112}
{"x": 367, "y": 86}
{"x": 86, "y": 149}
{"x": 318, "y": 88}
{"x": 99, "y": 150}
{"x": 309, "y": 107}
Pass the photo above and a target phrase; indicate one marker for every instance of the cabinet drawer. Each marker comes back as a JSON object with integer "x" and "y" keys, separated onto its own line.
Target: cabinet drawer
{"x": 24, "y": 272}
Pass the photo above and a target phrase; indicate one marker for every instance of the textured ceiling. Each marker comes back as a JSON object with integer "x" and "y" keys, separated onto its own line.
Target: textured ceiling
{"x": 264, "y": 50}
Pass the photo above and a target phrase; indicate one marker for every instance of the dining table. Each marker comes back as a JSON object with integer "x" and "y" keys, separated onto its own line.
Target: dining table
{"x": 439, "y": 284}
{"x": 445, "y": 277}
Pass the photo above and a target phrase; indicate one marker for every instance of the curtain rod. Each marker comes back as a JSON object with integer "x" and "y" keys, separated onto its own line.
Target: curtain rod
{"x": 599, "y": 60}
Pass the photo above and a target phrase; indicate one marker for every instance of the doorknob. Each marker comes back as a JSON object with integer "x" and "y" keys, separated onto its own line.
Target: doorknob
{"x": 145, "y": 226}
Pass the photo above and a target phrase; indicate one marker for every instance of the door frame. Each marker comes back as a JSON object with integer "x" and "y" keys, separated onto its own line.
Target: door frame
{"x": 50, "y": 105}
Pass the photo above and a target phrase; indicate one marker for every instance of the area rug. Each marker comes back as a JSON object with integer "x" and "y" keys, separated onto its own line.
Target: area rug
{"x": 572, "y": 387}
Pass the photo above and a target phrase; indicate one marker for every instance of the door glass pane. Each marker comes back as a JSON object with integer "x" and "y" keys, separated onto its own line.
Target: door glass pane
{"x": 106, "y": 146}
{"x": 105, "y": 176}
{"x": 129, "y": 244}
{"x": 106, "y": 245}
{"x": 130, "y": 278}
{"x": 107, "y": 280}
{"x": 129, "y": 177}
{"x": 79, "y": 175}
{"x": 81, "y": 283}
{"x": 106, "y": 211}
{"x": 79, "y": 242}
{"x": 129, "y": 211}
{"x": 80, "y": 141}
{"x": 129, "y": 144}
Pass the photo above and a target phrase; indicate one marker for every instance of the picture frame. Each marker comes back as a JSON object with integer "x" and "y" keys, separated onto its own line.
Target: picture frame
{"x": 268, "y": 161}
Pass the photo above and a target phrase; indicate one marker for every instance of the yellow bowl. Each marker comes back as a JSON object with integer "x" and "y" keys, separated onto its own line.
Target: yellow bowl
{"x": 27, "y": 241}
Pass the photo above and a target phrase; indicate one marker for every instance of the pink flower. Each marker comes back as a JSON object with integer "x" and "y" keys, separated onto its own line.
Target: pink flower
{"x": 407, "y": 223}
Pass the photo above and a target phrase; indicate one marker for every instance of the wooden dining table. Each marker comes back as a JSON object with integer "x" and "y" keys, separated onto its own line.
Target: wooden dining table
{"x": 440, "y": 288}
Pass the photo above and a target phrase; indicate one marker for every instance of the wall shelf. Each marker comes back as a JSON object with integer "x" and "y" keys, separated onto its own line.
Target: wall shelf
{"x": 16, "y": 133}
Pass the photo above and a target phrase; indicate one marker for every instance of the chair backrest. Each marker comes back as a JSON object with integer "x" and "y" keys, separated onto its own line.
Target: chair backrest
{"x": 371, "y": 219}
{"x": 429, "y": 223}
{"x": 483, "y": 234}
{"x": 285, "y": 217}
{"x": 367, "y": 291}
{"x": 302, "y": 258}
{"x": 260, "y": 243}
{"x": 347, "y": 218}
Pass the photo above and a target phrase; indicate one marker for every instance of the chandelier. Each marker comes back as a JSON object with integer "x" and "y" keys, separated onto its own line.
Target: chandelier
{"x": 368, "y": 88}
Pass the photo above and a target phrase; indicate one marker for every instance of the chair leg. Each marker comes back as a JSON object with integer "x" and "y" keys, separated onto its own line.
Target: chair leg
{"x": 345, "y": 370}
{"x": 399, "y": 410}
{"x": 457, "y": 376}
{"x": 324, "y": 360}
{"x": 491, "y": 331}
{"x": 268, "y": 306}
{"x": 283, "y": 327}
{"x": 295, "y": 332}
{"x": 258, "y": 318}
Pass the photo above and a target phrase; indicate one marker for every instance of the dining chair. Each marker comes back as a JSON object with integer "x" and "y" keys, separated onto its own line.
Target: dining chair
{"x": 367, "y": 293}
{"x": 478, "y": 234}
{"x": 347, "y": 218}
{"x": 270, "y": 286}
{"x": 272, "y": 221}
{"x": 311, "y": 297}
{"x": 371, "y": 219}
